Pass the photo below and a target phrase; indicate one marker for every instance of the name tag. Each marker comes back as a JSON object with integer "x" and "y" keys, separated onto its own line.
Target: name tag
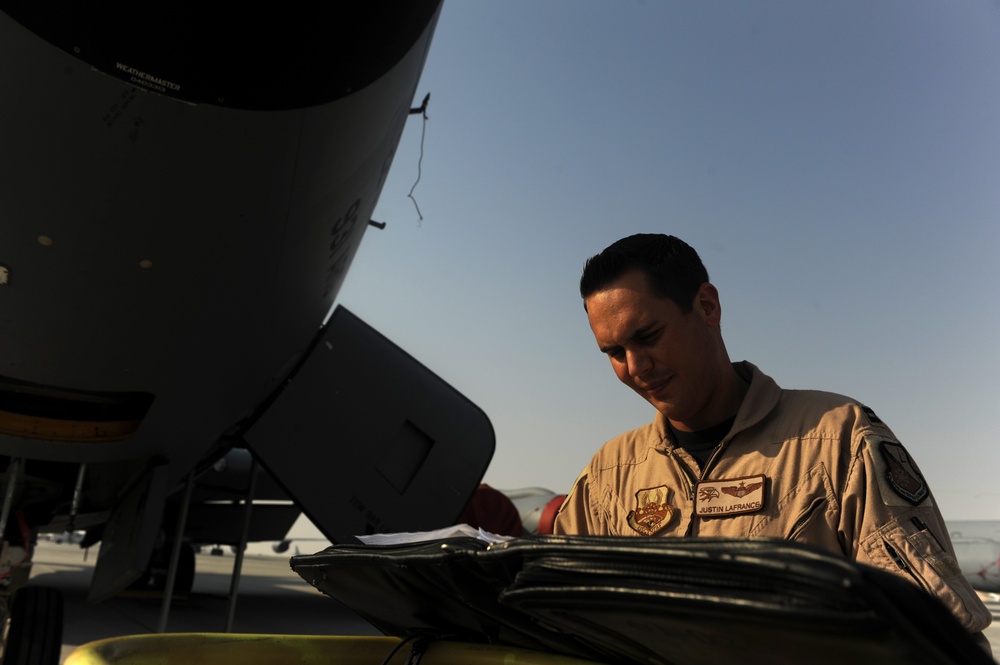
{"x": 730, "y": 496}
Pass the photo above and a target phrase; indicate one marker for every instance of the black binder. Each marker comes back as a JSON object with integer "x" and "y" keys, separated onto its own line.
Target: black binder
{"x": 646, "y": 600}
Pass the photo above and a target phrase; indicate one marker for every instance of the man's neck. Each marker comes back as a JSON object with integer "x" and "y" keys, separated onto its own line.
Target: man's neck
{"x": 725, "y": 405}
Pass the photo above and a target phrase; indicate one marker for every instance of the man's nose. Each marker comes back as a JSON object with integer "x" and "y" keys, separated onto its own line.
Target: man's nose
{"x": 638, "y": 363}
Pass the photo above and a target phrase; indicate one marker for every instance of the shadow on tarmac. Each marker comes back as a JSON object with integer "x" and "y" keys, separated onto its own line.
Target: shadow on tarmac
{"x": 272, "y": 599}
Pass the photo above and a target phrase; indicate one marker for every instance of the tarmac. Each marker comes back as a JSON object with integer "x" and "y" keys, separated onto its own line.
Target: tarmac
{"x": 272, "y": 599}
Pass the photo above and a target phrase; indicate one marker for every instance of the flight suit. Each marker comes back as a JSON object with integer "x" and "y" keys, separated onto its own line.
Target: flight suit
{"x": 806, "y": 466}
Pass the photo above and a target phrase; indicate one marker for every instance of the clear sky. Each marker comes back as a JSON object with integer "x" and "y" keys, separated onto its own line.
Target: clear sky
{"x": 836, "y": 165}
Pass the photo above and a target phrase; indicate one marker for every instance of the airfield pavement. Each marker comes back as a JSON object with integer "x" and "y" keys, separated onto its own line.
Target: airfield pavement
{"x": 272, "y": 599}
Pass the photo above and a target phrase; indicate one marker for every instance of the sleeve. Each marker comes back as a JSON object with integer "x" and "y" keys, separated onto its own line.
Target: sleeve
{"x": 889, "y": 520}
{"x": 574, "y": 517}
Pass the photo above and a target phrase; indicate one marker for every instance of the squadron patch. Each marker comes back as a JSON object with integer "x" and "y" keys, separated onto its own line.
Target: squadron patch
{"x": 729, "y": 496}
{"x": 898, "y": 477}
{"x": 652, "y": 512}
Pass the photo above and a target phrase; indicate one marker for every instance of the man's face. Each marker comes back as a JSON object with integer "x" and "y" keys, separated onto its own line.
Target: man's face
{"x": 670, "y": 358}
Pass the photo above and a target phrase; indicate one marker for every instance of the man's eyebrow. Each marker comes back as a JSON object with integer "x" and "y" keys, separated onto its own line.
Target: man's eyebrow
{"x": 637, "y": 333}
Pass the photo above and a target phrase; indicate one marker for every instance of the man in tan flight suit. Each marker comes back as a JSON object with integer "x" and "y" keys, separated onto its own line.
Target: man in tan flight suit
{"x": 731, "y": 454}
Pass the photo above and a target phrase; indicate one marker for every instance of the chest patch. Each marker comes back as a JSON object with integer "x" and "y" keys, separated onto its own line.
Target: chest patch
{"x": 729, "y": 496}
{"x": 652, "y": 510}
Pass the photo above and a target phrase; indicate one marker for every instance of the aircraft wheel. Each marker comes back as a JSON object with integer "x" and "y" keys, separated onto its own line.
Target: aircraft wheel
{"x": 34, "y": 636}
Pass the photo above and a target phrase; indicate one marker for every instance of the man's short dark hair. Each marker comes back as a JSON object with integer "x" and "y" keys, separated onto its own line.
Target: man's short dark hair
{"x": 673, "y": 268}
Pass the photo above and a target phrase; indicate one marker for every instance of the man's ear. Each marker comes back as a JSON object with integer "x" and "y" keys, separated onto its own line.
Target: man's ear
{"x": 707, "y": 305}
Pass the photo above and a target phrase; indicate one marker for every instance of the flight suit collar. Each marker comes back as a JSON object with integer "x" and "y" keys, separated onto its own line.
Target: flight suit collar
{"x": 761, "y": 398}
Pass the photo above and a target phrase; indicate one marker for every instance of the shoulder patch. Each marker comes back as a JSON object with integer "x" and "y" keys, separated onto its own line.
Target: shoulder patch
{"x": 898, "y": 478}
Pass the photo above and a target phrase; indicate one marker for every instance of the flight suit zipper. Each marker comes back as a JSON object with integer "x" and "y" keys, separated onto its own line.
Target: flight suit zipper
{"x": 689, "y": 476}
{"x": 692, "y": 481}
{"x": 686, "y": 473}
{"x": 816, "y": 504}
{"x": 711, "y": 458}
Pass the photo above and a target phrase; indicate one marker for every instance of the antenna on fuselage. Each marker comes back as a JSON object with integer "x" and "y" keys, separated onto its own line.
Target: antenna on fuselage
{"x": 422, "y": 109}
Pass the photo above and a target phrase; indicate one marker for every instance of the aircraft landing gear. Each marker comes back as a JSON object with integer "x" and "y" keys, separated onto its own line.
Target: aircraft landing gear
{"x": 34, "y": 631}
{"x": 31, "y": 615}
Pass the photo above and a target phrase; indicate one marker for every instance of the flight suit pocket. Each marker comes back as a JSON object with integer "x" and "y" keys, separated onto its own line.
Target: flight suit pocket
{"x": 906, "y": 547}
{"x": 943, "y": 563}
{"x": 800, "y": 512}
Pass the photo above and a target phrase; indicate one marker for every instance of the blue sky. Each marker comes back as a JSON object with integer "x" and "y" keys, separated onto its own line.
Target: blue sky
{"x": 836, "y": 165}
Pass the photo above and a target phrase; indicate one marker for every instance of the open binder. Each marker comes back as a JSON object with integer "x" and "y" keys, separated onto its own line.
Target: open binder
{"x": 639, "y": 600}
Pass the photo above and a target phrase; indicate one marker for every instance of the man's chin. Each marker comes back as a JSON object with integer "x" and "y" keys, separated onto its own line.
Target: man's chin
{"x": 668, "y": 409}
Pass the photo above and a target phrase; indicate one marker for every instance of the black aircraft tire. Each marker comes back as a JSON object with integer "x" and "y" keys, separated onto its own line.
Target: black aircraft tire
{"x": 34, "y": 636}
